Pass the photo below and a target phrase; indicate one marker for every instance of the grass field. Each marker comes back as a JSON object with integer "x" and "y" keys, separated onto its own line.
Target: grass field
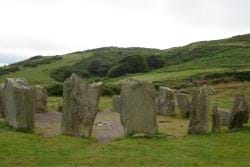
{"x": 226, "y": 149}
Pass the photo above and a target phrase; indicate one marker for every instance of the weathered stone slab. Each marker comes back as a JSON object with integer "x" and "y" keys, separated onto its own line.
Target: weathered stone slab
{"x": 2, "y": 112}
{"x": 183, "y": 104}
{"x": 199, "y": 113}
{"x": 165, "y": 102}
{"x": 116, "y": 100}
{"x": 216, "y": 119}
{"x": 19, "y": 104}
{"x": 138, "y": 107}
{"x": 240, "y": 111}
{"x": 80, "y": 102}
{"x": 40, "y": 99}
{"x": 225, "y": 116}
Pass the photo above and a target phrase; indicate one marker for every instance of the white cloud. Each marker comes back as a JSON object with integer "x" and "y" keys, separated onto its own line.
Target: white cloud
{"x": 49, "y": 27}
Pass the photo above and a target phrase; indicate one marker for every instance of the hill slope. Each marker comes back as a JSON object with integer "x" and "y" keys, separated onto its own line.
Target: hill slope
{"x": 232, "y": 54}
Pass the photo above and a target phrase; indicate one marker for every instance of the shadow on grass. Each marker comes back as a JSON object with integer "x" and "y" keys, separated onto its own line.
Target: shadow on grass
{"x": 5, "y": 126}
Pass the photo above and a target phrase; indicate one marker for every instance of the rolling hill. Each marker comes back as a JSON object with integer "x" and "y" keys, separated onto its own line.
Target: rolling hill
{"x": 225, "y": 56}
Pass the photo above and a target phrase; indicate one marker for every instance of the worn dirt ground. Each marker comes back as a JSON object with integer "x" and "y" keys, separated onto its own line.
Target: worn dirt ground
{"x": 107, "y": 126}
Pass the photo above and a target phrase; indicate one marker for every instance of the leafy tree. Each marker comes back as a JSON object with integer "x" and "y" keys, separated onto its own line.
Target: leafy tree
{"x": 129, "y": 64}
{"x": 155, "y": 62}
{"x": 98, "y": 67}
{"x": 93, "y": 66}
{"x": 119, "y": 70}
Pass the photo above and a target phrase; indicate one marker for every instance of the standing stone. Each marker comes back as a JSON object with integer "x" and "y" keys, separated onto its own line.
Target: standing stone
{"x": 80, "y": 101}
{"x": 225, "y": 116}
{"x": 40, "y": 99}
{"x": 2, "y": 101}
{"x": 165, "y": 102}
{"x": 184, "y": 104}
{"x": 199, "y": 113}
{"x": 138, "y": 114}
{"x": 19, "y": 104}
{"x": 216, "y": 119}
{"x": 116, "y": 100}
{"x": 240, "y": 111}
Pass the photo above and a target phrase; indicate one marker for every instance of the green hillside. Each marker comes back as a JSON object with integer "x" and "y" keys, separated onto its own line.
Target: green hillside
{"x": 180, "y": 63}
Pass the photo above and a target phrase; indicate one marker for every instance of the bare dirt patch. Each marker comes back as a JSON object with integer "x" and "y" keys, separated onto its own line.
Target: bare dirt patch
{"x": 107, "y": 126}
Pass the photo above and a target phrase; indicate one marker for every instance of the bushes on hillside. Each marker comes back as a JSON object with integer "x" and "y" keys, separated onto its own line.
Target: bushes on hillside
{"x": 55, "y": 90}
{"x": 119, "y": 70}
{"x": 38, "y": 60}
{"x": 8, "y": 69}
{"x": 98, "y": 67}
{"x": 61, "y": 74}
{"x": 129, "y": 64}
{"x": 155, "y": 61}
{"x": 227, "y": 76}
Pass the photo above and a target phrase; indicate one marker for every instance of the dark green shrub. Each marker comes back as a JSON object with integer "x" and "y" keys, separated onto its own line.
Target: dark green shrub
{"x": 119, "y": 70}
{"x": 127, "y": 65}
{"x": 55, "y": 90}
{"x": 98, "y": 67}
{"x": 137, "y": 63}
{"x": 93, "y": 66}
{"x": 61, "y": 74}
{"x": 35, "y": 57}
{"x": 155, "y": 62}
{"x": 110, "y": 90}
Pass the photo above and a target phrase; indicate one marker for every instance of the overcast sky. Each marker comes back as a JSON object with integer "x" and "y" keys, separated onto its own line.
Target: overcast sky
{"x": 48, "y": 27}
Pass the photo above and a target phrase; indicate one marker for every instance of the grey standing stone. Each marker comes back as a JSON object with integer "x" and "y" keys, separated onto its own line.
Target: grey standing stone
{"x": 40, "y": 99}
{"x": 80, "y": 101}
{"x": 2, "y": 112}
{"x": 216, "y": 119}
{"x": 183, "y": 104}
{"x": 116, "y": 100}
{"x": 240, "y": 111}
{"x": 19, "y": 104}
{"x": 198, "y": 123}
{"x": 138, "y": 114}
{"x": 165, "y": 102}
{"x": 225, "y": 116}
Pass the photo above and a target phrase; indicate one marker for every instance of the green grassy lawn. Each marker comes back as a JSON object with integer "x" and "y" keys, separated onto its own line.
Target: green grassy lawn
{"x": 226, "y": 149}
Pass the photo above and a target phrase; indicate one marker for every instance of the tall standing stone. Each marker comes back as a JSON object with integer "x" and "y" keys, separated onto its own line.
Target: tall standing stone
{"x": 165, "y": 101}
{"x": 183, "y": 104}
{"x": 198, "y": 123}
{"x": 80, "y": 101}
{"x": 240, "y": 111}
{"x": 116, "y": 100}
{"x": 216, "y": 119}
{"x": 2, "y": 101}
{"x": 40, "y": 99}
{"x": 225, "y": 116}
{"x": 138, "y": 114}
{"x": 19, "y": 104}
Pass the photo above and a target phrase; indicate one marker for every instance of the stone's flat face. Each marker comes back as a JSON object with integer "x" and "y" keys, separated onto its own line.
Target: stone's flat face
{"x": 183, "y": 104}
{"x": 116, "y": 100}
{"x": 138, "y": 114}
{"x": 240, "y": 111}
{"x": 225, "y": 116}
{"x": 19, "y": 104}
{"x": 198, "y": 123}
{"x": 2, "y": 112}
{"x": 40, "y": 99}
{"x": 216, "y": 119}
{"x": 165, "y": 102}
{"x": 80, "y": 101}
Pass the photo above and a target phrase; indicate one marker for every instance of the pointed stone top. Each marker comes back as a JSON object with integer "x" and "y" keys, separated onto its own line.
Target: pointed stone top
{"x": 73, "y": 78}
